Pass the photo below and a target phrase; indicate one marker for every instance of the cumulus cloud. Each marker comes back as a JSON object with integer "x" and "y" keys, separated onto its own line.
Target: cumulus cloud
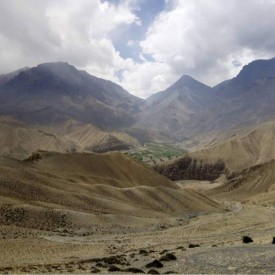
{"x": 147, "y": 77}
{"x": 209, "y": 40}
{"x": 79, "y": 32}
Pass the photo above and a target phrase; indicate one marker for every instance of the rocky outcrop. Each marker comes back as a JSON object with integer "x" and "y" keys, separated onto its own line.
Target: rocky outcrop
{"x": 111, "y": 143}
{"x": 191, "y": 169}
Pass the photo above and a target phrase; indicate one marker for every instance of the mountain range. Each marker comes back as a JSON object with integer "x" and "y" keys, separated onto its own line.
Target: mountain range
{"x": 188, "y": 112}
{"x": 189, "y": 108}
{"x": 67, "y": 205}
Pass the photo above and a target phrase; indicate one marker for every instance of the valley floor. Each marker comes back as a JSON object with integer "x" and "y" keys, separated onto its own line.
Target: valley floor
{"x": 121, "y": 249}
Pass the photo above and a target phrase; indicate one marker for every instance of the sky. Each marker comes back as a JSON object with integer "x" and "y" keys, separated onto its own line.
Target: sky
{"x": 143, "y": 45}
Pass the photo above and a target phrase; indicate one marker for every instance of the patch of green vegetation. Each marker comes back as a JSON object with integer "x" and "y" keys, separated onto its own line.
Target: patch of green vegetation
{"x": 154, "y": 153}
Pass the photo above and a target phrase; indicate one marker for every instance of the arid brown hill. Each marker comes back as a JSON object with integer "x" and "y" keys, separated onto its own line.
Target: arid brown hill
{"x": 250, "y": 147}
{"x": 71, "y": 187}
{"x": 187, "y": 168}
{"x": 255, "y": 185}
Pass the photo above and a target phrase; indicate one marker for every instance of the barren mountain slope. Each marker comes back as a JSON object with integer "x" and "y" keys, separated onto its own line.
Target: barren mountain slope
{"x": 255, "y": 185}
{"x": 247, "y": 147}
{"x": 19, "y": 142}
{"x": 177, "y": 110}
{"x": 248, "y": 98}
{"x": 126, "y": 231}
{"x": 5, "y": 78}
{"x": 91, "y": 138}
{"x": 189, "y": 110}
{"x": 55, "y": 92}
{"x": 242, "y": 150}
{"x": 99, "y": 184}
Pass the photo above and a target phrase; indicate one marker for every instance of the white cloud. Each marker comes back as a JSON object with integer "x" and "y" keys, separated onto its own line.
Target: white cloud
{"x": 205, "y": 39}
{"x": 202, "y": 38}
{"x": 147, "y": 77}
{"x": 79, "y": 32}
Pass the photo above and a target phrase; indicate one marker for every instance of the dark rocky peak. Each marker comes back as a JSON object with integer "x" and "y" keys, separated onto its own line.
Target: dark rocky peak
{"x": 64, "y": 78}
{"x": 257, "y": 75}
{"x": 256, "y": 70}
{"x": 61, "y": 70}
{"x": 57, "y": 91}
{"x": 46, "y": 75}
{"x": 60, "y": 78}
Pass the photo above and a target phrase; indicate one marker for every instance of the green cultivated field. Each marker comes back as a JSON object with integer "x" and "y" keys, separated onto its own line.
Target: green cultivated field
{"x": 153, "y": 153}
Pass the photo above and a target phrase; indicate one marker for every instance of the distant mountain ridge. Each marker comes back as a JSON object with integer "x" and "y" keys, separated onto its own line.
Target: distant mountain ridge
{"x": 247, "y": 99}
{"x": 20, "y": 142}
{"x": 56, "y": 92}
{"x": 53, "y": 93}
{"x": 188, "y": 108}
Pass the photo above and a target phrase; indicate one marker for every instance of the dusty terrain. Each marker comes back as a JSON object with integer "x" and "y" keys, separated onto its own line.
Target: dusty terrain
{"x": 245, "y": 148}
{"x": 119, "y": 222}
{"x": 91, "y": 138}
{"x": 219, "y": 236}
{"x": 19, "y": 140}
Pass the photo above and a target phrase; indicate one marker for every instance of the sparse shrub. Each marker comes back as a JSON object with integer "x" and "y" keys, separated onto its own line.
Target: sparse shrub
{"x": 168, "y": 257}
{"x": 153, "y": 271}
{"x": 113, "y": 268}
{"x": 134, "y": 270}
{"x": 155, "y": 263}
{"x": 247, "y": 239}
{"x": 193, "y": 245}
{"x": 143, "y": 252}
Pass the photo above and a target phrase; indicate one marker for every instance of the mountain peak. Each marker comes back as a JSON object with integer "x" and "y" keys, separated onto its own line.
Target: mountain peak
{"x": 55, "y": 92}
{"x": 57, "y": 67}
{"x": 187, "y": 81}
{"x": 59, "y": 64}
{"x": 186, "y": 77}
